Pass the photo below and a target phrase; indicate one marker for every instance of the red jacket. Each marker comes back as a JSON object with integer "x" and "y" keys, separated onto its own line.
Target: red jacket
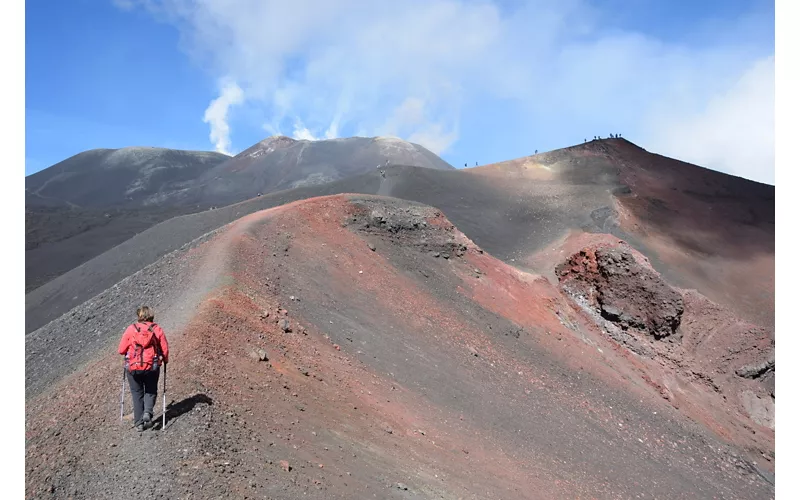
{"x": 128, "y": 347}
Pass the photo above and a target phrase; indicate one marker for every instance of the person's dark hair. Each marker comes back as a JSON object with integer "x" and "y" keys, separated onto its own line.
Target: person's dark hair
{"x": 144, "y": 314}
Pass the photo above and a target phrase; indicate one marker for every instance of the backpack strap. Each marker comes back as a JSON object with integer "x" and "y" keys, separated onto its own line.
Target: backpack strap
{"x": 154, "y": 340}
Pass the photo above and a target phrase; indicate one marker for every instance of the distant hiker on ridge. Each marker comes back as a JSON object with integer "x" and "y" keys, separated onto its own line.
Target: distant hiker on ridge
{"x": 145, "y": 348}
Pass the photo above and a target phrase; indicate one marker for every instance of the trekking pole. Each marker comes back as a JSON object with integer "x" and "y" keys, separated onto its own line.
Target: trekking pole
{"x": 122, "y": 397}
{"x": 164, "y": 401}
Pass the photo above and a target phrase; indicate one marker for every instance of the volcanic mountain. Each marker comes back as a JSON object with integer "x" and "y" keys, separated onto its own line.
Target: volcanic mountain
{"x": 552, "y": 327}
{"x": 279, "y": 163}
{"x": 147, "y": 177}
{"x": 127, "y": 177}
{"x": 95, "y": 200}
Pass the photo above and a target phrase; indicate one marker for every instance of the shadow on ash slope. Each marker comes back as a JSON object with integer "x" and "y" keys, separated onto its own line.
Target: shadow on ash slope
{"x": 362, "y": 347}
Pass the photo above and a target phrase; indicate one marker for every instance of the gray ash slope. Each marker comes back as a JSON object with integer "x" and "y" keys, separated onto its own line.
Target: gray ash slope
{"x": 126, "y": 177}
{"x": 280, "y": 163}
{"x": 58, "y": 239}
{"x": 90, "y": 202}
{"x": 87, "y": 204}
{"x": 145, "y": 176}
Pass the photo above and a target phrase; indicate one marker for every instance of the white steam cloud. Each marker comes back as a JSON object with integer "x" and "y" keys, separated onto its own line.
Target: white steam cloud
{"x": 514, "y": 76}
{"x": 216, "y": 116}
{"x": 302, "y": 133}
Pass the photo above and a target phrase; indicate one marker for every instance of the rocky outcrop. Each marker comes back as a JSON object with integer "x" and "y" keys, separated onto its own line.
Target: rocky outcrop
{"x": 760, "y": 409}
{"x": 625, "y": 292}
{"x": 758, "y": 369}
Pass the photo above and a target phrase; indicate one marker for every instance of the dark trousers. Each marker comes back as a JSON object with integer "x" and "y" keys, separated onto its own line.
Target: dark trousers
{"x": 144, "y": 389}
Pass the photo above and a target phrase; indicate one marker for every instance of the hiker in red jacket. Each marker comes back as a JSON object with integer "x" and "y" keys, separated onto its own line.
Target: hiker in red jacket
{"x": 145, "y": 348}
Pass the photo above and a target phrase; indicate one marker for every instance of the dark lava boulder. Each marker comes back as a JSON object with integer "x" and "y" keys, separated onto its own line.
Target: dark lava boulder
{"x": 622, "y": 290}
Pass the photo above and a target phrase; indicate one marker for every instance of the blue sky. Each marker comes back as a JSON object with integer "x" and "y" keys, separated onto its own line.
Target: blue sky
{"x": 475, "y": 81}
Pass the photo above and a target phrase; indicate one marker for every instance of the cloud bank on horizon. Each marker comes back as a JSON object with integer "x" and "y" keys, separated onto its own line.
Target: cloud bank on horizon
{"x": 331, "y": 68}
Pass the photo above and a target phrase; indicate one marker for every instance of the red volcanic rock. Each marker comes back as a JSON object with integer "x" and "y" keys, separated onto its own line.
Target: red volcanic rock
{"x": 625, "y": 292}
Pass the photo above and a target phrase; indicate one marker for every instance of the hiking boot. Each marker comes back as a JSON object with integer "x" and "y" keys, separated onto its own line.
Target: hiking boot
{"x": 146, "y": 418}
{"x": 140, "y": 426}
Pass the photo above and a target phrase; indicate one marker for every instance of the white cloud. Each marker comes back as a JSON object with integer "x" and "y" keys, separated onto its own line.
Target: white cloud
{"x": 124, "y": 4}
{"x": 411, "y": 120}
{"x": 415, "y": 68}
{"x": 434, "y": 137}
{"x": 216, "y": 115}
{"x": 734, "y": 131}
{"x": 410, "y": 113}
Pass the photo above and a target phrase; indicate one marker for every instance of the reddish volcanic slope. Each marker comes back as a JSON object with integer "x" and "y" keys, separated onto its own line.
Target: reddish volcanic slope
{"x": 702, "y": 229}
{"x": 358, "y": 346}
